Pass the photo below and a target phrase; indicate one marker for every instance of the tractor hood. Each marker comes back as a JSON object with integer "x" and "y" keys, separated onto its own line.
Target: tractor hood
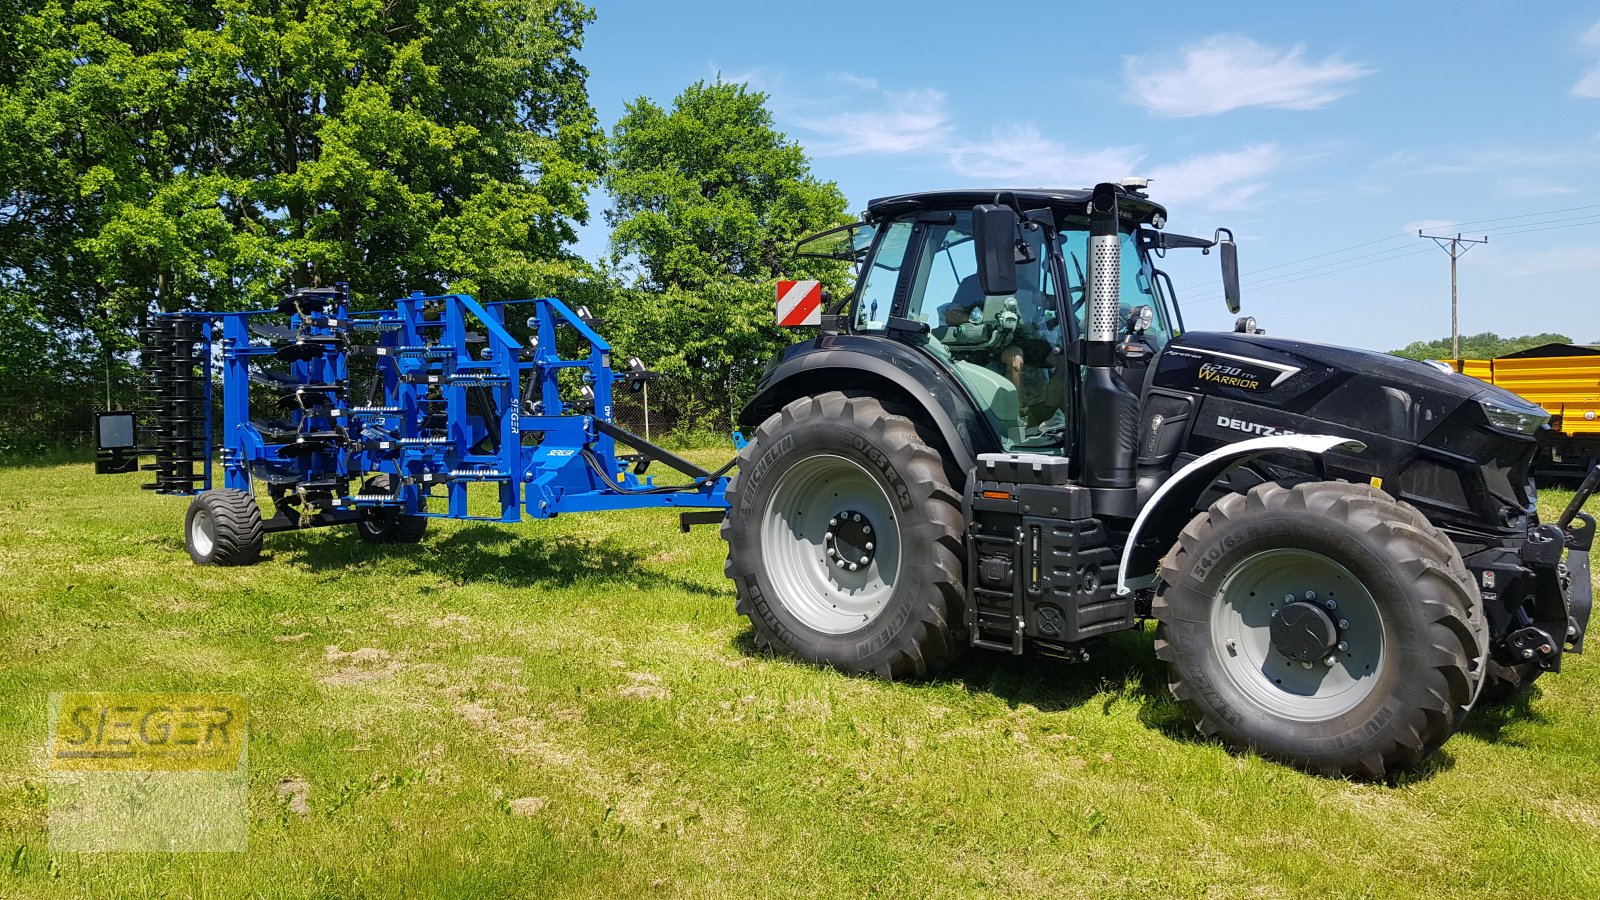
{"x": 1351, "y": 390}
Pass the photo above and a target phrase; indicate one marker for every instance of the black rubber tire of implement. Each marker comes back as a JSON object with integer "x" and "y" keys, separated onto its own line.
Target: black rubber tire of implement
{"x": 387, "y": 526}
{"x": 917, "y": 630}
{"x": 1435, "y": 634}
{"x": 235, "y": 520}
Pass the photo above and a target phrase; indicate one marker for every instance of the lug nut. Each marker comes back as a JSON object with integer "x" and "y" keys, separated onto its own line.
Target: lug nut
{"x": 1311, "y": 595}
{"x": 833, "y": 521}
{"x": 839, "y": 563}
{"x": 866, "y": 529}
{"x": 1572, "y": 630}
{"x": 832, "y": 552}
{"x": 869, "y": 545}
{"x": 852, "y": 567}
{"x": 864, "y": 560}
{"x": 1344, "y": 646}
{"x": 1305, "y": 665}
{"x": 1343, "y": 624}
{"x": 828, "y": 536}
{"x": 1328, "y": 662}
{"x": 1288, "y": 598}
{"x": 855, "y": 517}
{"x": 1330, "y": 605}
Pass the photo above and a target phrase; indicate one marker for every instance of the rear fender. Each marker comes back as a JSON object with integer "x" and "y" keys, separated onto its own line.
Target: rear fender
{"x": 1167, "y": 510}
{"x": 886, "y": 369}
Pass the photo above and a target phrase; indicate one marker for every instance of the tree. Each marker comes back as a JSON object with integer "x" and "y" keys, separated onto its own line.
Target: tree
{"x": 708, "y": 200}
{"x": 1487, "y": 345}
{"x": 210, "y": 153}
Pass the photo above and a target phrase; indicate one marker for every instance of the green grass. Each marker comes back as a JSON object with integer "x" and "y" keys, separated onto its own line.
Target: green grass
{"x": 595, "y": 662}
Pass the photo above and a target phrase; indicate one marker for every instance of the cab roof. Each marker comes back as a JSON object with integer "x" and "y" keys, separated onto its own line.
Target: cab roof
{"x": 1063, "y": 201}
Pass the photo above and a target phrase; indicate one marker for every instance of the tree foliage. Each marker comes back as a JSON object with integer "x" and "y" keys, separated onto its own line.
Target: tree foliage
{"x": 708, "y": 199}
{"x": 1486, "y": 345}
{"x": 211, "y": 153}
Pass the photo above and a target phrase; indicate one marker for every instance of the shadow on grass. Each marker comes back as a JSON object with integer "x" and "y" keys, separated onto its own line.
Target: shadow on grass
{"x": 1124, "y": 667}
{"x": 488, "y": 554}
{"x": 1489, "y": 720}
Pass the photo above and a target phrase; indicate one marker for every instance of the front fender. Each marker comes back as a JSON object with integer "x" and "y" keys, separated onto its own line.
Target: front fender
{"x": 1178, "y": 494}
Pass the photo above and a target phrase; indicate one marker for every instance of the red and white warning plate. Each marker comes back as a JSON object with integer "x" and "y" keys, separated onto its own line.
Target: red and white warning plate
{"x": 799, "y": 303}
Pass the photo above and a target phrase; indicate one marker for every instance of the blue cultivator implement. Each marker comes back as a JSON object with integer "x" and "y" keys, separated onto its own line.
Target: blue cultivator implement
{"x": 384, "y": 419}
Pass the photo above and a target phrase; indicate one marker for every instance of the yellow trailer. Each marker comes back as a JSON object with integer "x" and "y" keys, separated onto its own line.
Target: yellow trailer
{"x": 1565, "y": 380}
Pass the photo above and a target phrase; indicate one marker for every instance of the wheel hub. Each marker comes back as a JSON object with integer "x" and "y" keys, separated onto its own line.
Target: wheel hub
{"x": 1303, "y": 632}
{"x": 849, "y": 541}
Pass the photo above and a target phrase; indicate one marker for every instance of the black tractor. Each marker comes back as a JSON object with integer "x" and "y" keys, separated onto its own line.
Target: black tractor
{"x": 1004, "y": 438}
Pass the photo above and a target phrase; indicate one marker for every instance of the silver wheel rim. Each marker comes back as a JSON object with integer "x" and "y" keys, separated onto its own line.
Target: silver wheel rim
{"x": 803, "y": 561}
{"x": 1241, "y": 622}
{"x": 202, "y": 532}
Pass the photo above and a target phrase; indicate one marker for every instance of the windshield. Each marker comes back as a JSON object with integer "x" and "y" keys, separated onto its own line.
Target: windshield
{"x": 1138, "y": 286}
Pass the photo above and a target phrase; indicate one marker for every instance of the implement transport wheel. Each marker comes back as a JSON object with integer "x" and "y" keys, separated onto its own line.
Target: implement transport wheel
{"x": 386, "y": 525}
{"x": 1325, "y": 625}
{"x": 223, "y": 528}
{"x": 845, "y": 539}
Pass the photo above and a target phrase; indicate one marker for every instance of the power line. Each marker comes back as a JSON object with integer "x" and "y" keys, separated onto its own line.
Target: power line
{"x": 1548, "y": 212}
{"x": 1209, "y": 292}
{"x": 1280, "y": 282}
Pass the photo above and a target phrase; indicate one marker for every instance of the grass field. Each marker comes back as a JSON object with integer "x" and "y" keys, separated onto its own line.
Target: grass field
{"x": 572, "y": 708}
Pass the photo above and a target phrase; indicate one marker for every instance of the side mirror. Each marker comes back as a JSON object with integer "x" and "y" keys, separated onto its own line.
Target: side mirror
{"x": 1230, "y": 269}
{"x": 994, "y": 232}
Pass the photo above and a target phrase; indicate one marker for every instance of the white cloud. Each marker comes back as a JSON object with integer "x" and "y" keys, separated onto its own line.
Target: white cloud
{"x": 1589, "y": 84}
{"x": 1022, "y": 157}
{"x": 1551, "y": 259}
{"x": 1528, "y": 186}
{"x": 1429, "y": 225}
{"x": 901, "y": 122}
{"x": 1220, "y": 181}
{"x": 1229, "y": 72}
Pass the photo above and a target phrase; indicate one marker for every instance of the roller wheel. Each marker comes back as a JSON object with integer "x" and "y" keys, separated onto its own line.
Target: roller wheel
{"x": 387, "y": 525}
{"x": 223, "y": 528}
{"x": 845, "y": 539}
{"x": 1325, "y": 625}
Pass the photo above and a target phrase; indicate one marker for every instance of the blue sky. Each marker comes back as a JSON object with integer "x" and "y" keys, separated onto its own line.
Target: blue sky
{"x": 1324, "y": 135}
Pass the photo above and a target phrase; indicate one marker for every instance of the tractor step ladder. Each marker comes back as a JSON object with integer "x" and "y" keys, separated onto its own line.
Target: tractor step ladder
{"x": 995, "y": 619}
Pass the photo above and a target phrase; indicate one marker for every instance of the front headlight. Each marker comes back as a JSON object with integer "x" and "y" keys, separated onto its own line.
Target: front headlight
{"x": 1511, "y": 413}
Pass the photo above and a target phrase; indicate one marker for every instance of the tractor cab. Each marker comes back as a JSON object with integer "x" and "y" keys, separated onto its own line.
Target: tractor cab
{"x": 1012, "y": 335}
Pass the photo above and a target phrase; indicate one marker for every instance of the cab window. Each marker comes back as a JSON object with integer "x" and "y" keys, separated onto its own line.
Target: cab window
{"x": 881, "y": 276}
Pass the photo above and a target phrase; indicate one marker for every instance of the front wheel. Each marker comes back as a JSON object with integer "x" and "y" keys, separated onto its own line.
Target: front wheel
{"x": 845, "y": 539}
{"x": 1325, "y": 625}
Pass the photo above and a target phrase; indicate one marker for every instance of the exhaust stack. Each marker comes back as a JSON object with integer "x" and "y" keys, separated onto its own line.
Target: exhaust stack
{"x": 1111, "y": 410}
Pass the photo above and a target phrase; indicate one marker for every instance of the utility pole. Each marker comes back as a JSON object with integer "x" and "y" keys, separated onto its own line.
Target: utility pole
{"x": 1457, "y": 247}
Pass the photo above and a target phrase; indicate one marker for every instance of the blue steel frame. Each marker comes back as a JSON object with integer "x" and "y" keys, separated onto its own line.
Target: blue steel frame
{"x": 427, "y": 367}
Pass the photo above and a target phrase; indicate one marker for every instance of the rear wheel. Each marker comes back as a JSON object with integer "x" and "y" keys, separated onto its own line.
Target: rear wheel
{"x": 1325, "y": 625}
{"x": 223, "y": 528}
{"x": 845, "y": 539}
{"x": 385, "y": 524}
